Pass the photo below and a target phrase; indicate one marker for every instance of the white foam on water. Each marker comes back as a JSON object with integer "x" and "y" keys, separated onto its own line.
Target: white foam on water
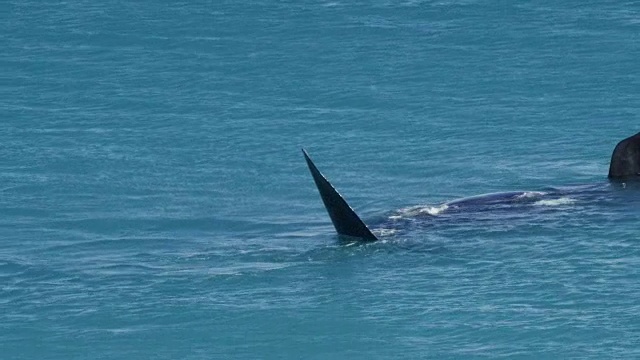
{"x": 385, "y": 232}
{"x": 435, "y": 210}
{"x": 531, "y": 194}
{"x": 555, "y": 202}
{"x": 419, "y": 210}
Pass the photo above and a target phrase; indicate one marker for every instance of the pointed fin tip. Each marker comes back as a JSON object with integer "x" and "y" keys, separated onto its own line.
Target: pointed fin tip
{"x": 344, "y": 218}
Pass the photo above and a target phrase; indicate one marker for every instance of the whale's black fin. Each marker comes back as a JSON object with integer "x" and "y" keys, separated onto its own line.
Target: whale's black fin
{"x": 344, "y": 219}
{"x": 625, "y": 160}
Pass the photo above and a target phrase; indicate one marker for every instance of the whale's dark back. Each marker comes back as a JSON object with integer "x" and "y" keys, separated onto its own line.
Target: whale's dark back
{"x": 625, "y": 165}
{"x": 625, "y": 160}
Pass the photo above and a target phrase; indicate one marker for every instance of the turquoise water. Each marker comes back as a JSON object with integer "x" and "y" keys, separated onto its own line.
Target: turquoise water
{"x": 155, "y": 204}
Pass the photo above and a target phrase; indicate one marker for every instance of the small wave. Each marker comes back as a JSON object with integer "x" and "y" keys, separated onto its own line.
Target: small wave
{"x": 419, "y": 210}
{"x": 531, "y": 194}
{"x": 555, "y": 202}
{"x": 435, "y": 210}
{"x": 385, "y": 232}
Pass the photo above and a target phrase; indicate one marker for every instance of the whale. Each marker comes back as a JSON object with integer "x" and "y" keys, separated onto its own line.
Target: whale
{"x": 625, "y": 160}
{"x": 624, "y": 168}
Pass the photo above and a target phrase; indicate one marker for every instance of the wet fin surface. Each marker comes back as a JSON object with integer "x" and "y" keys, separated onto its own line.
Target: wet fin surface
{"x": 625, "y": 160}
{"x": 344, "y": 219}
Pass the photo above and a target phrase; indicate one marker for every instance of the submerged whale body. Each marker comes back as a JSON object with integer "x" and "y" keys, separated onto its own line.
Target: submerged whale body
{"x": 624, "y": 166}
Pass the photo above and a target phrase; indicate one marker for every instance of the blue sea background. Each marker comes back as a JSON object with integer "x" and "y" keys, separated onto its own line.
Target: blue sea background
{"x": 154, "y": 202}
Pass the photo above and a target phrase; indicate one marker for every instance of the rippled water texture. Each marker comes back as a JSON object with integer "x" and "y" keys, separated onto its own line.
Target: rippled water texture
{"x": 154, "y": 202}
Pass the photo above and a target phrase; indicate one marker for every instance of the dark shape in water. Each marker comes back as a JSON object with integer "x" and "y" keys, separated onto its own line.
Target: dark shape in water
{"x": 624, "y": 166}
{"x": 625, "y": 160}
{"x": 344, "y": 219}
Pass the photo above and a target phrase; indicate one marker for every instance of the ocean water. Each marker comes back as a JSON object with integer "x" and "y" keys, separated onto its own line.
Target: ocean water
{"x": 154, "y": 202}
